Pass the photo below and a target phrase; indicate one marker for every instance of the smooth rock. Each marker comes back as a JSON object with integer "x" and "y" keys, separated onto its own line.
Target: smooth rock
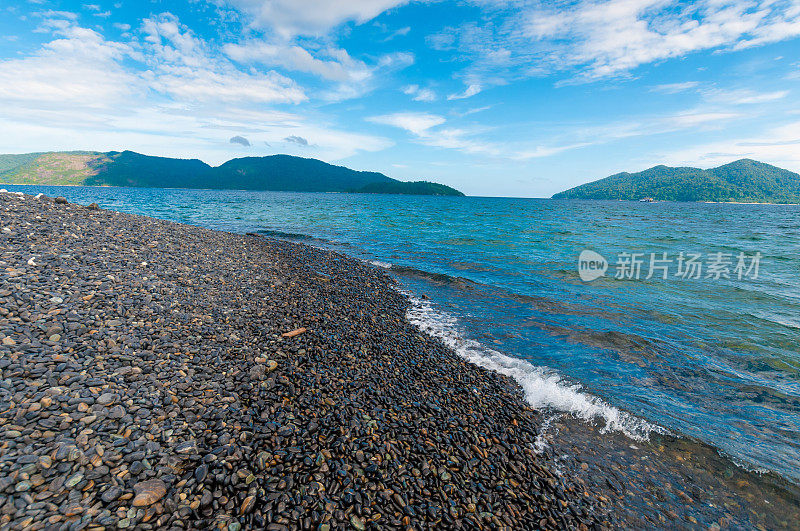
{"x": 148, "y": 492}
{"x": 106, "y": 399}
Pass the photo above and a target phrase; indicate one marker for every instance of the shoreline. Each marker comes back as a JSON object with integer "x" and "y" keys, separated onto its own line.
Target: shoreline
{"x": 652, "y": 477}
{"x": 747, "y": 203}
{"x": 149, "y": 386}
{"x": 360, "y": 335}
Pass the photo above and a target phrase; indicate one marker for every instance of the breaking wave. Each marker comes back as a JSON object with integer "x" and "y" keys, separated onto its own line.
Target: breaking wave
{"x": 543, "y": 387}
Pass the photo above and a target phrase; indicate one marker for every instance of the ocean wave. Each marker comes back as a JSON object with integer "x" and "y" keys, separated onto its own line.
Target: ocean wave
{"x": 773, "y": 317}
{"x": 285, "y": 235}
{"x": 441, "y": 278}
{"x": 543, "y": 387}
{"x": 382, "y": 265}
{"x": 307, "y": 239}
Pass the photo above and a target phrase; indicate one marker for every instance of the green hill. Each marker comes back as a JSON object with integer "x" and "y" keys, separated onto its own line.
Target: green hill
{"x": 746, "y": 181}
{"x": 9, "y": 162}
{"x": 287, "y": 173}
{"x": 276, "y": 172}
{"x": 127, "y": 168}
{"x": 68, "y": 168}
{"x": 409, "y": 188}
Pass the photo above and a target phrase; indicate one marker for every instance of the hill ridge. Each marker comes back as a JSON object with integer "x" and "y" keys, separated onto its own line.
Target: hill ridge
{"x": 279, "y": 172}
{"x": 744, "y": 180}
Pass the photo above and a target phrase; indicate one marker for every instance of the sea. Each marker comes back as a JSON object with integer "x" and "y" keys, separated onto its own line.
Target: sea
{"x": 640, "y": 319}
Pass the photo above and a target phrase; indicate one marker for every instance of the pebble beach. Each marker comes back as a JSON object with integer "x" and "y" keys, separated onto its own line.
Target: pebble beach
{"x": 155, "y": 375}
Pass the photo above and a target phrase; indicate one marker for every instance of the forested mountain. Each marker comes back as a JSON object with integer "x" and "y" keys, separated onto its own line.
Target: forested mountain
{"x": 744, "y": 180}
{"x": 284, "y": 172}
{"x": 276, "y": 172}
{"x": 409, "y": 188}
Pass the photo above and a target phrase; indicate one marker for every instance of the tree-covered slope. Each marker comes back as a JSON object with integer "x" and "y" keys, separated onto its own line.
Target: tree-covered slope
{"x": 276, "y": 172}
{"x": 740, "y": 181}
{"x": 409, "y": 188}
{"x": 11, "y": 162}
{"x": 127, "y": 168}
{"x": 287, "y": 173}
{"x": 56, "y": 168}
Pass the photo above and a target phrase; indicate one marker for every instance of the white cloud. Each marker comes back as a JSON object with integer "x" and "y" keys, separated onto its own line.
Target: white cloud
{"x": 473, "y": 111}
{"x": 171, "y": 42}
{"x": 81, "y": 91}
{"x": 596, "y": 39}
{"x": 183, "y": 67}
{"x": 723, "y": 96}
{"x": 697, "y": 119}
{"x": 674, "y": 88}
{"x": 175, "y": 132}
{"x": 779, "y": 145}
{"x": 548, "y": 151}
{"x": 464, "y": 140}
{"x": 51, "y": 15}
{"x": 396, "y": 60}
{"x": 779, "y": 28}
{"x": 77, "y": 69}
{"x": 433, "y": 130}
{"x": 289, "y": 18}
{"x": 295, "y": 35}
{"x": 613, "y": 37}
{"x": 743, "y": 96}
{"x": 425, "y": 95}
{"x": 414, "y": 122}
{"x": 418, "y": 93}
{"x": 193, "y": 85}
{"x": 338, "y": 65}
{"x": 81, "y": 68}
{"x": 468, "y": 92}
{"x": 426, "y": 128}
{"x": 402, "y": 32}
{"x": 353, "y": 77}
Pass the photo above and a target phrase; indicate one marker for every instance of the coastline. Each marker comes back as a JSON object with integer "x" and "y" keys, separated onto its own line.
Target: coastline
{"x": 2, "y": 184}
{"x": 234, "y": 295}
{"x": 747, "y": 203}
{"x": 653, "y": 478}
{"x": 149, "y": 386}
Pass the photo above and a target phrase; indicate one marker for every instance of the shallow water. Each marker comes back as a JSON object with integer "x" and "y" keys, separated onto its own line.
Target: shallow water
{"x": 716, "y": 359}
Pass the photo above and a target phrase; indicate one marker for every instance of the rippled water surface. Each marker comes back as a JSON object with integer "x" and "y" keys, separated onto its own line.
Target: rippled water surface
{"x": 716, "y": 359}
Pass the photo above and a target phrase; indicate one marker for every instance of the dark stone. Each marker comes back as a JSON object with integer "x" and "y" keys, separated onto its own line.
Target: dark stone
{"x": 111, "y": 494}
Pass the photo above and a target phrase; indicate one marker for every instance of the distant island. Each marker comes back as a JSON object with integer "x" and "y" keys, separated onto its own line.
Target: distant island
{"x": 275, "y": 173}
{"x": 743, "y": 181}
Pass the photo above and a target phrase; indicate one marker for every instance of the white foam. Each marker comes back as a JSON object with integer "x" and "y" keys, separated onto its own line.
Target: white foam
{"x": 540, "y": 443}
{"x": 20, "y": 195}
{"x": 543, "y": 387}
{"x": 378, "y": 263}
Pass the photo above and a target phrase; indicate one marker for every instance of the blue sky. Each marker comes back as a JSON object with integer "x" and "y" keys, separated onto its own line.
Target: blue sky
{"x": 494, "y": 97}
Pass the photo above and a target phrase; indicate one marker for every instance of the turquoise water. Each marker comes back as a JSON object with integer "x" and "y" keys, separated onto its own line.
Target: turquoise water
{"x": 716, "y": 359}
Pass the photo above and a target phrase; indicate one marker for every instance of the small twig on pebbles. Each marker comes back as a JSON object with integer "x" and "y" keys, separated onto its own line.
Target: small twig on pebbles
{"x": 293, "y": 332}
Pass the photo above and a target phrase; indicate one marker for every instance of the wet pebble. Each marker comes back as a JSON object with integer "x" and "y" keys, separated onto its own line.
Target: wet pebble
{"x": 148, "y": 381}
